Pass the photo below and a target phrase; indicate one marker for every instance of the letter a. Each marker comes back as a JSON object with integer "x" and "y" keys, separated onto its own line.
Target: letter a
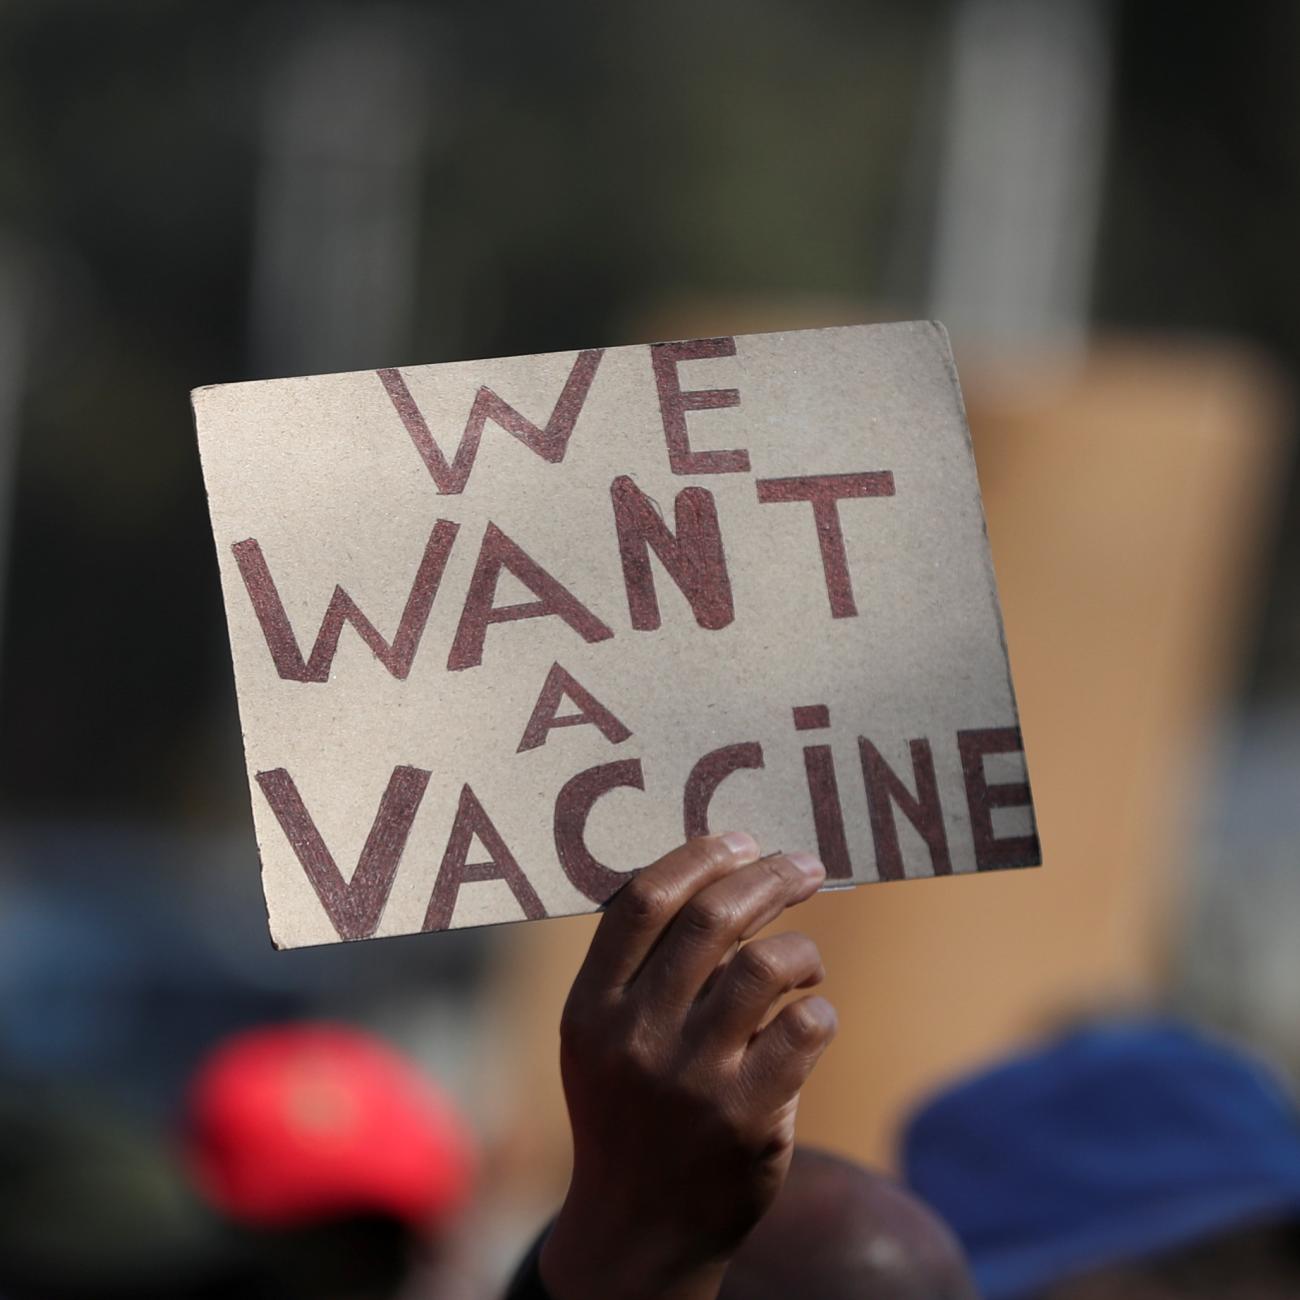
{"x": 480, "y": 612}
{"x": 544, "y": 717}
{"x": 456, "y": 870}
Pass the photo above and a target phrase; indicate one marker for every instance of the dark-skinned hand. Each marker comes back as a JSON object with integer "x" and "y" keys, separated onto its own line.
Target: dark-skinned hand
{"x": 681, "y": 1083}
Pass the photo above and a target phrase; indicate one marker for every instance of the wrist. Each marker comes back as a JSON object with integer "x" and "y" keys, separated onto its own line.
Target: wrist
{"x": 587, "y": 1258}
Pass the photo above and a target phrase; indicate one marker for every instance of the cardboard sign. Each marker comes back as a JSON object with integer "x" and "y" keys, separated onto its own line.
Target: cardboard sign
{"x": 506, "y": 630}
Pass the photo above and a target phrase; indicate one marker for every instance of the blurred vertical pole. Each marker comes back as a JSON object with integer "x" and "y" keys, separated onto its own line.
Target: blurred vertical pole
{"x": 338, "y": 222}
{"x": 13, "y": 340}
{"x": 1023, "y": 148}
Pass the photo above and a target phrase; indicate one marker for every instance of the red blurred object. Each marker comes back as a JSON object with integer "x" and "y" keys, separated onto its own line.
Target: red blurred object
{"x": 292, "y": 1124}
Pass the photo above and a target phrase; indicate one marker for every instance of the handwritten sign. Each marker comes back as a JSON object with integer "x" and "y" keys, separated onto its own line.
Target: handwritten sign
{"x": 506, "y": 630}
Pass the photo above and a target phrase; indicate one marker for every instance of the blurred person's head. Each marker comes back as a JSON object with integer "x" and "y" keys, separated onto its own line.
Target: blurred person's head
{"x": 838, "y": 1231}
{"x": 1128, "y": 1161}
{"x": 345, "y": 1166}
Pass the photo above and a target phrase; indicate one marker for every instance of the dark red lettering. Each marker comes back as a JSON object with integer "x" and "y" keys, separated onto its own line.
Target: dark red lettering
{"x": 673, "y": 405}
{"x": 280, "y": 640}
{"x": 553, "y": 598}
{"x": 885, "y": 789}
{"x": 353, "y": 906}
{"x": 557, "y": 686}
{"x": 709, "y": 773}
{"x": 693, "y": 556}
{"x": 550, "y": 443}
{"x": 992, "y": 851}
{"x": 573, "y": 806}
{"x": 811, "y": 717}
{"x": 456, "y": 870}
{"x": 824, "y": 492}
{"x": 828, "y": 815}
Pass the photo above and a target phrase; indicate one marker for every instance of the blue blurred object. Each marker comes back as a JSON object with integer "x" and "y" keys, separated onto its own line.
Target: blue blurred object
{"x": 1107, "y": 1145}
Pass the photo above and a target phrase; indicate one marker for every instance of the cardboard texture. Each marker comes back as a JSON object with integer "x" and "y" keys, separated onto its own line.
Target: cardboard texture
{"x": 505, "y": 630}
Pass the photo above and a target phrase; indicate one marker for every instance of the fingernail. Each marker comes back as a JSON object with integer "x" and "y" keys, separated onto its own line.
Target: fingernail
{"x": 740, "y": 844}
{"x": 809, "y": 865}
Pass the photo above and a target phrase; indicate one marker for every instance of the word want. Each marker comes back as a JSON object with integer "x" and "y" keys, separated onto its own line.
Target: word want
{"x": 690, "y": 551}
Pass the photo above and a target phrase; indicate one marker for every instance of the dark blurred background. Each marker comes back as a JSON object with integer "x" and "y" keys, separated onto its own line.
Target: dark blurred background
{"x": 193, "y": 194}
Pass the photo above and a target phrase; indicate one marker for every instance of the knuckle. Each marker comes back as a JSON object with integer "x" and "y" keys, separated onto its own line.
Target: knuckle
{"x": 810, "y": 1023}
{"x": 760, "y": 964}
{"x": 637, "y": 1058}
{"x": 645, "y": 900}
{"x": 620, "y": 1056}
{"x": 706, "y": 915}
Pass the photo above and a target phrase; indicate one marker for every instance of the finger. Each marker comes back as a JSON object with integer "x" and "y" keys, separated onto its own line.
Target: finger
{"x": 722, "y": 913}
{"x": 647, "y": 904}
{"x": 783, "y": 1054}
{"x": 717, "y": 972}
{"x": 742, "y": 998}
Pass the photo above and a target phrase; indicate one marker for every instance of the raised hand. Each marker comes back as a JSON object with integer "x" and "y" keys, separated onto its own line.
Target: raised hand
{"x": 681, "y": 1084}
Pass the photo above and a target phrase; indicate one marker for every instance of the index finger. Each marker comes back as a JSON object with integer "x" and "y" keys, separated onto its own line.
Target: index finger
{"x": 641, "y": 911}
